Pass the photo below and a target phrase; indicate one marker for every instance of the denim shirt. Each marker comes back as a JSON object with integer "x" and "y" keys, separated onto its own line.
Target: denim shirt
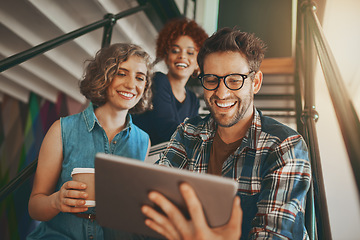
{"x": 83, "y": 137}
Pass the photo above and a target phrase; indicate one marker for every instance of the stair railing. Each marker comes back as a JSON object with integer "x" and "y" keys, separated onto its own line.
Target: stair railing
{"x": 317, "y": 217}
{"x": 107, "y": 23}
{"x": 311, "y": 42}
{"x": 345, "y": 111}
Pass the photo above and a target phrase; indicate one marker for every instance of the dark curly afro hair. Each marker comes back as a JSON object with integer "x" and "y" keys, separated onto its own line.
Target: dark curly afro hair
{"x": 173, "y": 30}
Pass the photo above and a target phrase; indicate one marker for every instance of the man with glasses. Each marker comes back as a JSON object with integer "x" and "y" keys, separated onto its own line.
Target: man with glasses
{"x": 267, "y": 159}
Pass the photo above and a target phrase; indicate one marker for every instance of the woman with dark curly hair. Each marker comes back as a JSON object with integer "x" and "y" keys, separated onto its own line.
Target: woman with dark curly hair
{"x": 117, "y": 81}
{"x": 178, "y": 44}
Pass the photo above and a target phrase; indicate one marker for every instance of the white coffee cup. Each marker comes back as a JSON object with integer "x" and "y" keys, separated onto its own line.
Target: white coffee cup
{"x": 87, "y": 176}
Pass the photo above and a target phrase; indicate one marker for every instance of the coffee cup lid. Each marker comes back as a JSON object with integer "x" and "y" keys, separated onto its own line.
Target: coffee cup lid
{"x": 90, "y": 203}
{"x": 82, "y": 170}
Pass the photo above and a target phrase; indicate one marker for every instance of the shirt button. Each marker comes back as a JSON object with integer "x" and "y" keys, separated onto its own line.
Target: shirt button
{"x": 114, "y": 142}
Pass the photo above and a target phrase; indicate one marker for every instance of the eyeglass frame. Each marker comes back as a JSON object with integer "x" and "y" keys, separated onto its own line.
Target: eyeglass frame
{"x": 244, "y": 77}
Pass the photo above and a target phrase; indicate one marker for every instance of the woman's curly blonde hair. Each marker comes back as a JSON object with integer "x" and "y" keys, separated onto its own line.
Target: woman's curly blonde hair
{"x": 101, "y": 70}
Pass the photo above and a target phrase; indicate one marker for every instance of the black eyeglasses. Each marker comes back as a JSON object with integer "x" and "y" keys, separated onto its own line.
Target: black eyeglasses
{"x": 233, "y": 81}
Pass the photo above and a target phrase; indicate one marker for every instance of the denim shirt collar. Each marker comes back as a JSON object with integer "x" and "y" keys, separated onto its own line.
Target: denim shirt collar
{"x": 90, "y": 118}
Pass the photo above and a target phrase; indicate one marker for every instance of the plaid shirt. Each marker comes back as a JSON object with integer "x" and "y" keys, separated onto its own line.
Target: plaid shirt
{"x": 271, "y": 166}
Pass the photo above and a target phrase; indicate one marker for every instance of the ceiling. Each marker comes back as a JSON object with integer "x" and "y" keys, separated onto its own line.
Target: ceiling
{"x": 28, "y": 23}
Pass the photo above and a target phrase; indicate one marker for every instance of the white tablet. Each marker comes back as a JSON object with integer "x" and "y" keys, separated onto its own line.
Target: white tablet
{"x": 122, "y": 186}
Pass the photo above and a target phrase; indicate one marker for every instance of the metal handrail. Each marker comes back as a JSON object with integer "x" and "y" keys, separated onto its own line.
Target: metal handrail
{"x": 345, "y": 111}
{"x": 313, "y": 36}
{"x": 304, "y": 63}
{"x": 21, "y": 177}
{"x": 108, "y": 22}
{"x": 310, "y": 218}
{"x": 318, "y": 223}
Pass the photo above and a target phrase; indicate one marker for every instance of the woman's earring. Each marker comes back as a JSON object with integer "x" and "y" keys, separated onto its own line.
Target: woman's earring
{"x": 195, "y": 74}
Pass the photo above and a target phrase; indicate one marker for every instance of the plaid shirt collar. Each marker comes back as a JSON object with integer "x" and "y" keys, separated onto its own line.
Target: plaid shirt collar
{"x": 209, "y": 128}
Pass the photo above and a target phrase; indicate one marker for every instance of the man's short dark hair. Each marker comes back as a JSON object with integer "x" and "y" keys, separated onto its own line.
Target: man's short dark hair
{"x": 233, "y": 40}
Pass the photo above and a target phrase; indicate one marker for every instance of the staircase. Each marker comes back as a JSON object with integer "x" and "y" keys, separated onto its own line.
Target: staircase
{"x": 276, "y": 97}
{"x": 27, "y": 23}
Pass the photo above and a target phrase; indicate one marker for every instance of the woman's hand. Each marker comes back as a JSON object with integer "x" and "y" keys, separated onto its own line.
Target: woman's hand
{"x": 71, "y": 197}
{"x": 175, "y": 226}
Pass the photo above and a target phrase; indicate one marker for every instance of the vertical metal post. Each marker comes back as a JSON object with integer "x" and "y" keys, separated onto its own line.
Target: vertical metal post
{"x": 108, "y": 30}
{"x": 195, "y": 5}
{"x": 310, "y": 116}
{"x": 299, "y": 65}
{"x": 310, "y": 218}
{"x": 185, "y": 7}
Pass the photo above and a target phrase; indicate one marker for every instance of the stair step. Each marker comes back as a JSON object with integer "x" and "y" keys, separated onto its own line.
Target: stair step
{"x": 275, "y": 96}
{"x": 277, "y": 109}
{"x": 267, "y": 83}
{"x": 279, "y": 115}
{"x": 278, "y": 66}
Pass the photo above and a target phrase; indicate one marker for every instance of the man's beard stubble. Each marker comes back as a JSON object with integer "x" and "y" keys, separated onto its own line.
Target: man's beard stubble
{"x": 242, "y": 110}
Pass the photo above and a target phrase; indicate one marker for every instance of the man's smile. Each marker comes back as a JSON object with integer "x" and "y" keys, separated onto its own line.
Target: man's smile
{"x": 227, "y": 104}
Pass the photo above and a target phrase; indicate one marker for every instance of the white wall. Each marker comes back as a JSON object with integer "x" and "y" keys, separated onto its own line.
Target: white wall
{"x": 342, "y": 30}
{"x": 207, "y": 14}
